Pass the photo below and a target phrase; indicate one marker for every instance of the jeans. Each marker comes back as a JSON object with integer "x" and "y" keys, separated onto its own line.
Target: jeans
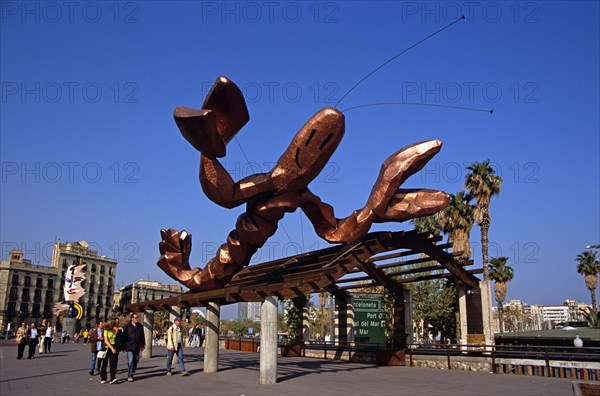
{"x": 170, "y": 355}
{"x": 132, "y": 361}
{"x": 93, "y": 363}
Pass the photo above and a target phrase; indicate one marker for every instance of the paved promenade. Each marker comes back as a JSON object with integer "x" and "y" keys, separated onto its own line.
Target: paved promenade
{"x": 65, "y": 373}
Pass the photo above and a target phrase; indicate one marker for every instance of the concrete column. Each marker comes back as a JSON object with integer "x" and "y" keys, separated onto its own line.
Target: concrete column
{"x": 408, "y": 316}
{"x": 211, "y": 350}
{"x": 148, "y": 323}
{"x": 306, "y": 320}
{"x": 486, "y": 308}
{"x": 268, "y": 341}
{"x": 399, "y": 338}
{"x": 344, "y": 319}
{"x": 175, "y": 312}
{"x": 462, "y": 310}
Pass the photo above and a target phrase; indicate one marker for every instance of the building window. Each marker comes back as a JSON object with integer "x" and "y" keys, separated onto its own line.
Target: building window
{"x": 15, "y": 280}
{"x": 39, "y": 282}
{"x": 49, "y": 295}
{"x": 93, "y": 267}
{"x": 37, "y": 295}
{"x": 92, "y": 289}
{"x": 47, "y": 310}
{"x": 102, "y": 269}
{"x": 93, "y": 279}
{"x": 27, "y": 280}
{"x": 35, "y": 312}
{"x": 12, "y": 308}
{"x": 25, "y": 296}
{"x": 64, "y": 263}
{"x": 99, "y": 300}
{"x": 110, "y": 270}
{"x": 50, "y": 284}
{"x": 14, "y": 294}
{"x": 108, "y": 302}
{"x": 24, "y": 309}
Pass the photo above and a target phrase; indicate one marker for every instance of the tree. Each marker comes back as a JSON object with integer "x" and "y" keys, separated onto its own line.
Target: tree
{"x": 500, "y": 273}
{"x": 427, "y": 224}
{"x": 456, "y": 220}
{"x": 293, "y": 318}
{"x": 482, "y": 183}
{"x": 435, "y": 303}
{"x": 591, "y": 315}
{"x": 590, "y": 267}
{"x": 161, "y": 321}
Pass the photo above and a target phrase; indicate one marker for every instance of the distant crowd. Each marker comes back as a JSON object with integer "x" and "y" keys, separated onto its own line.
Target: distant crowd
{"x": 106, "y": 341}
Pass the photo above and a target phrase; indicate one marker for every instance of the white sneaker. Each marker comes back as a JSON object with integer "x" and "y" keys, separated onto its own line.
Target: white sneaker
{"x": 114, "y": 381}
{"x": 103, "y": 382}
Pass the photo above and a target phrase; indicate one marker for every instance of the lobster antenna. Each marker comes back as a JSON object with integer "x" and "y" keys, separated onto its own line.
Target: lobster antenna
{"x": 418, "y": 104}
{"x": 396, "y": 56}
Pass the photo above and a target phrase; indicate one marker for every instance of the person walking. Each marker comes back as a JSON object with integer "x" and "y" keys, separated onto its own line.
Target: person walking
{"x": 32, "y": 339}
{"x": 134, "y": 345}
{"x": 41, "y": 331}
{"x": 21, "y": 340}
{"x": 86, "y": 335}
{"x": 112, "y": 357}
{"x": 175, "y": 346}
{"x": 96, "y": 341}
{"x": 48, "y": 338}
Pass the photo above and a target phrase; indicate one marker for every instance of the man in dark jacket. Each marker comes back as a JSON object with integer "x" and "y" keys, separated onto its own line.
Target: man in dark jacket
{"x": 134, "y": 345}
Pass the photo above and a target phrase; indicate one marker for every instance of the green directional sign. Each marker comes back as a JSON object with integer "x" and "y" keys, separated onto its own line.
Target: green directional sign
{"x": 369, "y": 320}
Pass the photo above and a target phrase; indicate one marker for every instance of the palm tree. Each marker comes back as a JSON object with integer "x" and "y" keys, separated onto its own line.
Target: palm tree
{"x": 590, "y": 267}
{"x": 427, "y": 224}
{"x": 482, "y": 183}
{"x": 500, "y": 273}
{"x": 456, "y": 220}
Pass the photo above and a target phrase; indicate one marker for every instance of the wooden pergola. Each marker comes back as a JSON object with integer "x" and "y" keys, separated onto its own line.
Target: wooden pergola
{"x": 384, "y": 259}
{"x": 388, "y": 259}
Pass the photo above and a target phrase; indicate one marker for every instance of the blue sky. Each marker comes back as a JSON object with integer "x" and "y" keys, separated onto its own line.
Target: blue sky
{"x": 90, "y": 151}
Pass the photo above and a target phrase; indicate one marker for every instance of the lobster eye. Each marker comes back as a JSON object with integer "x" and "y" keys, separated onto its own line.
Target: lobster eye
{"x": 328, "y": 138}
{"x": 312, "y": 133}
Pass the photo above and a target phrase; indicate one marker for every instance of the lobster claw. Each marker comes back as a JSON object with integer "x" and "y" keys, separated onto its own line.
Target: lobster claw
{"x": 223, "y": 114}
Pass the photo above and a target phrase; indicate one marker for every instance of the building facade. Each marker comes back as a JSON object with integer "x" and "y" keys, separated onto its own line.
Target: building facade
{"x": 143, "y": 290}
{"x": 28, "y": 292}
{"x": 520, "y": 316}
{"x": 249, "y": 311}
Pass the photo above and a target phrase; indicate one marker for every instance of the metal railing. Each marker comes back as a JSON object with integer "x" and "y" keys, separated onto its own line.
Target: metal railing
{"x": 549, "y": 361}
